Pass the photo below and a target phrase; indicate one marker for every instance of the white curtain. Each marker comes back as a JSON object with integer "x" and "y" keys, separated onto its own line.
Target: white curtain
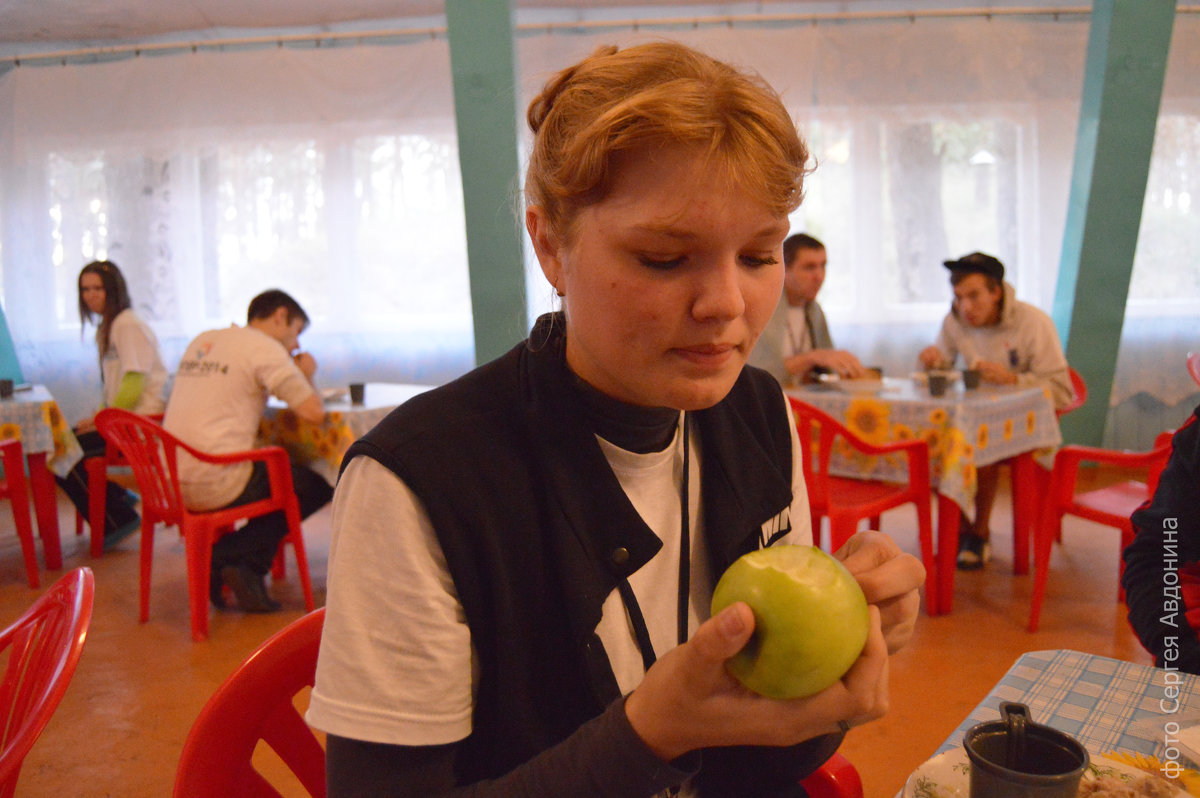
{"x": 333, "y": 173}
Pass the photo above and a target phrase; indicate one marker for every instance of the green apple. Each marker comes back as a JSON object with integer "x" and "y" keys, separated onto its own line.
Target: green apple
{"x": 810, "y": 619}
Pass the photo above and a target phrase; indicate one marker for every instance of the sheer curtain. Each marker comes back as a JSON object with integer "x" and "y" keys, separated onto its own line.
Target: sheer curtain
{"x": 333, "y": 173}
{"x": 931, "y": 139}
{"x": 208, "y": 177}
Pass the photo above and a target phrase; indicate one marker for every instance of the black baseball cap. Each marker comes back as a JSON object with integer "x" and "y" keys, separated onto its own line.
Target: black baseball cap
{"x": 977, "y": 263}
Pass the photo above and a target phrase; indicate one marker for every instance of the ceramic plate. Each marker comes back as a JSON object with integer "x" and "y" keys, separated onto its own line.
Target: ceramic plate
{"x": 863, "y": 386}
{"x": 947, "y": 775}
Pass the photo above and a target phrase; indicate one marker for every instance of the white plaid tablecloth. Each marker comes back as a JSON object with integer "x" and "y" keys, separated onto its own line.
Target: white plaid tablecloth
{"x": 1107, "y": 704}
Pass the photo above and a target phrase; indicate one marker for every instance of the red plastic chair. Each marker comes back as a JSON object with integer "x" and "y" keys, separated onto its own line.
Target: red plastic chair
{"x": 15, "y": 488}
{"x": 1193, "y": 363}
{"x": 97, "y": 475}
{"x": 1081, "y": 393}
{"x": 256, "y": 703}
{"x": 837, "y": 778}
{"x": 846, "y": 501}
{"x": 152, "y": 454}
{"x": 42, "y": 648}
{"x": 1110, "y": 506}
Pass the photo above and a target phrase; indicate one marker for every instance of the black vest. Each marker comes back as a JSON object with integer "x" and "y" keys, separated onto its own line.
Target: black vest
{"x": 537, "y": 531}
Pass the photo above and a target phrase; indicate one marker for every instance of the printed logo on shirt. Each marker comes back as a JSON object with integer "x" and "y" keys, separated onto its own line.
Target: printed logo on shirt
{"x": 776, "y": 527}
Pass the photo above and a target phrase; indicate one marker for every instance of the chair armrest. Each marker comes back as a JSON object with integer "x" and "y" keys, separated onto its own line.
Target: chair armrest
{"x": 1072, "y": 455}
{"x": 265, "y": 453}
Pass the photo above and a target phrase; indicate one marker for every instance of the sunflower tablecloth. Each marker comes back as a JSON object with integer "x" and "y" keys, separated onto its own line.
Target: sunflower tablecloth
{"x": 34, "y": 418}
{"x": 964, "y": 430}
{"x": 322, "y": 446}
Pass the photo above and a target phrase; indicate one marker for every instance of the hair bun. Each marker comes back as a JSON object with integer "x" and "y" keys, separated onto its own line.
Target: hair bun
{"x": 540, "y": 108}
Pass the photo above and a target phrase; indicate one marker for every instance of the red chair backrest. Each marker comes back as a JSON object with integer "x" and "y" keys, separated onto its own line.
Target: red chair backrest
{"x": 1081, "y": 393}
{"x": 818, "y": 448}
{"x": 11, "y": 451}
{"x": 152, "y": 453}
{"x": 42, "y": 648}
{"x": 255, "y": 703}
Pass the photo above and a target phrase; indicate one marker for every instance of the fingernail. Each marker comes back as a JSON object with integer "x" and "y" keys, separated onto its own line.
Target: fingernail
{"x": 730, "y": 622}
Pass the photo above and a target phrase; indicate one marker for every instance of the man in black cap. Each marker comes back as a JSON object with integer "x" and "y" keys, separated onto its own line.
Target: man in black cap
{"x": 1010, "y": 343}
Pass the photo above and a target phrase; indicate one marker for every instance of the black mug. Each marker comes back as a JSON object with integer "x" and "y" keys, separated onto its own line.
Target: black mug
{"x": 1016, "y": 758}
{"x": 6, "y": 389}
{"x": 358, "y": 393}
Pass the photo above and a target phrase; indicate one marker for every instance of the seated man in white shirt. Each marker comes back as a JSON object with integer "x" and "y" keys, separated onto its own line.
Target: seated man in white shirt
{"x": 1010, "y": 343}
{"x": 217, "y": 402}
{"x": 796, "y": 345}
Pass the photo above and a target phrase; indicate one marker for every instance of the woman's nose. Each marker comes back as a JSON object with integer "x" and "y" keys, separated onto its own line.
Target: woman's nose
{"x": 720, "y": 293}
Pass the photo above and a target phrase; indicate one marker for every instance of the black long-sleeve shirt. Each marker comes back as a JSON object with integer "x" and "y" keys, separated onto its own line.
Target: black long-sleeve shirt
{"x": 1162, "y": 565}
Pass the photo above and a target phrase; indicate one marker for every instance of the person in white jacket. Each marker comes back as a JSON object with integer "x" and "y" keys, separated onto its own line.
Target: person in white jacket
{"x": 1010, "y": 343}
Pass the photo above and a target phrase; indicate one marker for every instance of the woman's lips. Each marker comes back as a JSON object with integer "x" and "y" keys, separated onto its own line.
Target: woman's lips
{"x": 708, "y": 355}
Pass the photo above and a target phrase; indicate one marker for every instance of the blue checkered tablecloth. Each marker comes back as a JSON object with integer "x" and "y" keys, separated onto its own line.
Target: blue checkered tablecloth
{"x": 1107, "y": 704}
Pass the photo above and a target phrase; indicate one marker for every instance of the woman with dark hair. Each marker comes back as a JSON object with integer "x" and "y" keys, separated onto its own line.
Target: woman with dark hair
{"x": 132, "y": 375}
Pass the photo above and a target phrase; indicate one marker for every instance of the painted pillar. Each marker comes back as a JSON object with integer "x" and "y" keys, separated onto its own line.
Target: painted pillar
{"x": 1126, "y": 61}
{"x": 485, "y": 89}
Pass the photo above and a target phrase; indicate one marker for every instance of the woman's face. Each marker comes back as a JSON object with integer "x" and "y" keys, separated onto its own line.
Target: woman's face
{"x": 91, "y": 290}
{"x": 667, "y": 283}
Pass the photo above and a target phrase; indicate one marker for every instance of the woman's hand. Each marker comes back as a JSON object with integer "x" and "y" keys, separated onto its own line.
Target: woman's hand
{"x": 890, "y": 579}
{"x": 86, "y": 425}
{"x": 688, "y": 699}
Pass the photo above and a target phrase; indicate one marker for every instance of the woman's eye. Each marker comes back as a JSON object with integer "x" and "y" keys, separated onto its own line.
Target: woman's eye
{"x": 662, "y": 264}
{"x": 756, "y": 261}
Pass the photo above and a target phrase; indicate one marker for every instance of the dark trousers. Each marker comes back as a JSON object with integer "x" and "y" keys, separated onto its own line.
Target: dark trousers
{"x": 117, "y": 511}
{"x": 256, "y": 542}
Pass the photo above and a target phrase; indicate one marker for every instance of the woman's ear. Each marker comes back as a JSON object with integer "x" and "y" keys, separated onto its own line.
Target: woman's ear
{"x": 545, "y": 245}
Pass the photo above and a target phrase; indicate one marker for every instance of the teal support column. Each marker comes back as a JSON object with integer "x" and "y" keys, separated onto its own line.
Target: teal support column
{"x": 484, "y": 70}
{"x": 1126, "y": 61}
{"x": 10, "y": 368}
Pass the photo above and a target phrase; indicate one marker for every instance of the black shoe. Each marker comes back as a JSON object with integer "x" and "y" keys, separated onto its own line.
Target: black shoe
{"x": 973, "y": 552}
{"x": 249, "y": 588}
{"x": 114, "y": 536}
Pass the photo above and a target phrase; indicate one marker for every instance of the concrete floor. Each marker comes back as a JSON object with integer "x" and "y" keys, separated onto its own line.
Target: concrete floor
{"x": 138, "y": 688}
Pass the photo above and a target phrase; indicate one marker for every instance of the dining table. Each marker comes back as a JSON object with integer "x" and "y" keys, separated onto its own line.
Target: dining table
{"x": 322, "y": 446}
{"x": 964, "y": 428}
{"x": 1122, "y": 712}
{"x": 51, "y": 448}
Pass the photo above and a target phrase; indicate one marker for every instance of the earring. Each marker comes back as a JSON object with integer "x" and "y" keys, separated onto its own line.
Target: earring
{"x": 560, "y": 293}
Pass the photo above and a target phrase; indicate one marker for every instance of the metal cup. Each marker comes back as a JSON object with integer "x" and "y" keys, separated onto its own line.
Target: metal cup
{"x": 970, "y": 378}
{"x": 6, "y": 389}
{"x": 938, "y": 382}
{"x": 1016, "y": 758}
{"x": 358, "y": 393}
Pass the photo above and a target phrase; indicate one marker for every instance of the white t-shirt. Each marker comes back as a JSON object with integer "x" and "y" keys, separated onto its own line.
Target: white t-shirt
{"x": 796, "y": 338}
{"x": 396, "y": 663}
{"x": 217, "y": 402}
{"x": 133, "y": 346}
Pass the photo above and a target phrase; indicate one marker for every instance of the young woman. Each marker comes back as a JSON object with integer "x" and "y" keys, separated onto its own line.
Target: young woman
{"x": 132, "y": 375}
{"x": 523, "y": 559}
